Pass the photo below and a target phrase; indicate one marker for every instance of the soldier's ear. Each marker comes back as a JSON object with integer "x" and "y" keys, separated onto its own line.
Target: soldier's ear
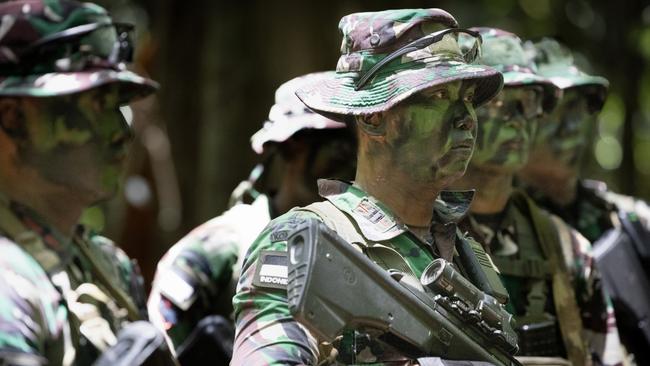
{"x": 372, "y": 124}
{"x": 11, "y": 119}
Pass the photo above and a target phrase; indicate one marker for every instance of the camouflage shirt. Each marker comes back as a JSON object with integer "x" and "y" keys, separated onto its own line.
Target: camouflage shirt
{"x": 54, "y": 308}
{"x": 592, "y": 211}
{"x": 267, "y": 333}
{"x": 197, "y": 276}
{"x": 513, "y": 241}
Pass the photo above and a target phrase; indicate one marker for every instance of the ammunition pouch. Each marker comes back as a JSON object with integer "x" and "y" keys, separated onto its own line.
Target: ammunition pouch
{"x": 541, "y": 338}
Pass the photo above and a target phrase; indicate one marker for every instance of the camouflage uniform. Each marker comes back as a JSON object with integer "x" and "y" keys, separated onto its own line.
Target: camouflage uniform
{"x": 197, "y": 276}
{"x": 266, "y": 332}
{"x": 62, "y": 299}
{"x": 521, "y": 237}
{"x": 272, "y": 336}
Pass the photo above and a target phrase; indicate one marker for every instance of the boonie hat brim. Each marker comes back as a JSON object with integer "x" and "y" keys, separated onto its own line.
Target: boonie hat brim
{"x": 337, "y": 98}
{"x": 132, "y": 86}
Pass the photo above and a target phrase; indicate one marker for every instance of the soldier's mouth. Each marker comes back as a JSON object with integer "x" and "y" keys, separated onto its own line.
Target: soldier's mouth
{"x": 464, "y": 145}
{"x": 513, "y": 144}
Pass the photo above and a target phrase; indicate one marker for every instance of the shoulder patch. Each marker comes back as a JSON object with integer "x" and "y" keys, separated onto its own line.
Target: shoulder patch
{"x": 272, "y": 270}
{"x": 282, "y": 229}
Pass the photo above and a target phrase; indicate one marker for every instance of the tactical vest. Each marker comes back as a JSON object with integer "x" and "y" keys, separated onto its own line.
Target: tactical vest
{"x": 541, "y": 261}
{"x": 96, "y": 308}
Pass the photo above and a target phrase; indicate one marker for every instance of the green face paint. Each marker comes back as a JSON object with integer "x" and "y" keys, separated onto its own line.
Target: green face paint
{"x": 432, "y": 134}
{"x": 566, "y": 130}
{"x": 78, "y": 141}
{"x": 505, "y": 127}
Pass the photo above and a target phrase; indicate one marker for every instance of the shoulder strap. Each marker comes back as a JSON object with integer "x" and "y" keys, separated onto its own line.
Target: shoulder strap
{"x": 339, "y": 221}
{"x": 566, "y": 305}
{"x": 120, "y": 297}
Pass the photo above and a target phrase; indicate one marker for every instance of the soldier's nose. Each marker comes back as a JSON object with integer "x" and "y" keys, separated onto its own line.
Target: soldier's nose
{"x": 464, "y": 124}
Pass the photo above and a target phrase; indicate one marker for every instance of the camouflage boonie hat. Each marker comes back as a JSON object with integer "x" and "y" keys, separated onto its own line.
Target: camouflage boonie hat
{"x": 555, "y": 62}
{"x": 59, "y": 47}
{"x": 369, "y": 38}
{"x": 289, "y": 115}
{"x": 505, "y": 52}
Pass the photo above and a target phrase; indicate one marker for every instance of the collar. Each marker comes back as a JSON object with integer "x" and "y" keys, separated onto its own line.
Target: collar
{"x": 376, "y": 221}
{"x": 25, "y": 225}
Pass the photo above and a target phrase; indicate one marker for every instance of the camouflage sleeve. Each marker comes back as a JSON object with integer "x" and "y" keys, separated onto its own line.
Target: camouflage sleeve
{"x": 192, "y": 281}
{"x": 266, "y": 333}
{"x": 595, "y": 306}
{"x": 32, "y": 315}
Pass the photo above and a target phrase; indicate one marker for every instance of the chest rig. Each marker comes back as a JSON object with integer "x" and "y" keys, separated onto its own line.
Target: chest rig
{"x": 96, "y": 305}
{"x": 541, "y": 266}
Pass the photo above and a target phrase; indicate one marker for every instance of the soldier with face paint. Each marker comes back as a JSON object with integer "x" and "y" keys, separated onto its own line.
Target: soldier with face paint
{"x": 552, "y": 177}
{"x": 196, "y": 279}
{"x": 544, "y": 264}
{"x": 65, "y": 293}
{"x": 408, "y": 90}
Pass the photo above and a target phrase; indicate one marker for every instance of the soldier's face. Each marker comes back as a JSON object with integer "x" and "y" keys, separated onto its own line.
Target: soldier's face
{"x": 564, "y": 133}
{"x": 432, "y": 134}
{"x": 505, "y": 127}
{"x": 77, "y": 141}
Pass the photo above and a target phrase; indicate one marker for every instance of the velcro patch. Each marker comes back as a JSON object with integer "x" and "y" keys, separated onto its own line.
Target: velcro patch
{"x": 178, "y": 290}
{"x": 279, "y": 235}
{"x": 272, "y": 270}
{"x": 371, "y": 212}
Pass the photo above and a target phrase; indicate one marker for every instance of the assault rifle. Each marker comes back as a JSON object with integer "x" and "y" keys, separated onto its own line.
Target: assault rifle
{"x": 333, "y": 287}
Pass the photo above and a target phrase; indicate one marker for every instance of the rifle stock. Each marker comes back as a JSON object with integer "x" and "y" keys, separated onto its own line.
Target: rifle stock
{"x": 332, "y": 287}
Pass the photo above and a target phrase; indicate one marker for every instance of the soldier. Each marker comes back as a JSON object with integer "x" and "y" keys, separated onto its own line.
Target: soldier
{"x": 552, "y": 177}
{"x": 65, "y": 292}
{"x": 545, "y": 265}
{"x": 410, "y": 94}
{"x": 196, "y": 279}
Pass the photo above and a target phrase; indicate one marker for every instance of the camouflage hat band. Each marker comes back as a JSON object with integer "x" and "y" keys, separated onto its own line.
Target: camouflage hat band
{"x": 102, "y": 44}
{"x": 427, "y": 47}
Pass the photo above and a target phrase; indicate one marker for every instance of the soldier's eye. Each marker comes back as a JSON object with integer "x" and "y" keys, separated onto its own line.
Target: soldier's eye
{"x": 468, "y": 97}
{"x": 440, "y": 94}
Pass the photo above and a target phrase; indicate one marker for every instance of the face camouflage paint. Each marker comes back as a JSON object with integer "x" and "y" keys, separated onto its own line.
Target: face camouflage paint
{"x": 77, "y": 140}
{"x": 505, "y": 127}
{"x": 432, "y": 134}
{"x": 566, "y": 130}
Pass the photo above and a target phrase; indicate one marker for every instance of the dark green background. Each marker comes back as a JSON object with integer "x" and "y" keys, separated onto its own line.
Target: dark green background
{"x": 219, "y": 64}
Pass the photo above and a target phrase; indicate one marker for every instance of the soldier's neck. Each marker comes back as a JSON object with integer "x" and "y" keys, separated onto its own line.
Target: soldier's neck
{"x": 558, "y": 187}
{"x": 57, "y": 207}
{"x": 412, "y": 203}
{"x": 493, "y": 189}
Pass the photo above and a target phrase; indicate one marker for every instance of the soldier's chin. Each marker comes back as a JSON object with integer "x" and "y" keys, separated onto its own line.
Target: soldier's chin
{"x": 452, "y": 171}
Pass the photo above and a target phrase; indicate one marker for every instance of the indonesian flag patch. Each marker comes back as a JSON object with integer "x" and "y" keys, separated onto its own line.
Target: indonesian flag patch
{"x": 272, "y": 270}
